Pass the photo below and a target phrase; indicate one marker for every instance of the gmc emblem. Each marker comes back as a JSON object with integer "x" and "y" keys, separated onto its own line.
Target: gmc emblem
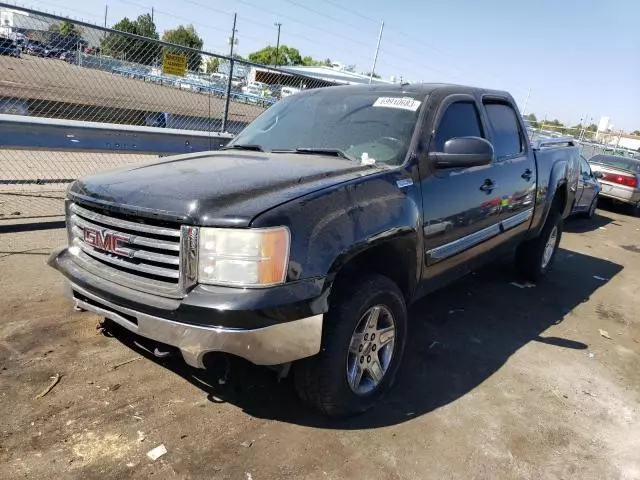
{"x": 105, "y": 240}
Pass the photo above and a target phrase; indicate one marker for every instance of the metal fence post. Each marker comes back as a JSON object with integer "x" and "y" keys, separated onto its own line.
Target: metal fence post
{"x": 227, "y": 99}
{"x": 229, "y": 80}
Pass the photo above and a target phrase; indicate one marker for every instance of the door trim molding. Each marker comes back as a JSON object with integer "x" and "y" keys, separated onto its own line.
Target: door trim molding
{"x": 459, "y": 245}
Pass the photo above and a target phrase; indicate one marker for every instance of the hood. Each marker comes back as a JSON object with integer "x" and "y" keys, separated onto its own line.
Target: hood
{"x": 223, "y": 188}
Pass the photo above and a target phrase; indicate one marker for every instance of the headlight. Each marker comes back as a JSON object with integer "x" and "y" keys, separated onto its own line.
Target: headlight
{"x": 243, "y": 257}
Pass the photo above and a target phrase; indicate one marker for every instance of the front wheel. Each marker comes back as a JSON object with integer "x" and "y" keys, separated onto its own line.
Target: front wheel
{"x": 363, "y": 339}
{"x": 534, "y": 258}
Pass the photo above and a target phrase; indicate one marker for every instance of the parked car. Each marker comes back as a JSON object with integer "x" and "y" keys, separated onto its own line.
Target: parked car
{"x": 68, "y": 57}
{"x": 9, "y": 47}
{"x": 588, "y": 191}
{"x": 288, "y": 91}
{"x": 52, "y": 52}
{"x": 34, "y": 48}
{"x": 619, "y": 177}
{"x": 302, "y": 242}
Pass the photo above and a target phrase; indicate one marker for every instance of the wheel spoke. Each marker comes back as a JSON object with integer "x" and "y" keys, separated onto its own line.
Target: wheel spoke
{"x": 356, "y": 342}
{"x": 386, "y": 335}
{"x": 372, "y": 321}
{"x": 355, "y": 375}
{"x": 375, "y": 370}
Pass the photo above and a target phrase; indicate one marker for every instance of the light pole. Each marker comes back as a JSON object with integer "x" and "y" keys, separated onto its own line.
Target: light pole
{"x": 375, "y": 57}
{"x": 277, "y": 43}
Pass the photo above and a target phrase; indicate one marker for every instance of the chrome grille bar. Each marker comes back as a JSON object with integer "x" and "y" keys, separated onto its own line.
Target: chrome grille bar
{"x": 141, "y": 256}
{"x": 123, "y": 224}
{"x": 94, "y": 252}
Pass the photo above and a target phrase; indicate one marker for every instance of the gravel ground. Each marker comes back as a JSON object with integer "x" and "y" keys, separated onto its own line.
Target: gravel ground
{"x": 498, "y": 382}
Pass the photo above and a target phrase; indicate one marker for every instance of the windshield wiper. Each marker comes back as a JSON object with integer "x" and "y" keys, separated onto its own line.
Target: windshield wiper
{"x": 336, "y": 152}
{"x": 253, "y": 148}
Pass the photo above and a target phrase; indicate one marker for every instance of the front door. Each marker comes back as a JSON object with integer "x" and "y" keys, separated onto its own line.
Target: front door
{"x": 461, "y": 206}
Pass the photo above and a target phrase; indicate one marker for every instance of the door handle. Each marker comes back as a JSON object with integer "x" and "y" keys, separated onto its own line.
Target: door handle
{"x": 488, "y": 186}
{"x": 527, "y": 174}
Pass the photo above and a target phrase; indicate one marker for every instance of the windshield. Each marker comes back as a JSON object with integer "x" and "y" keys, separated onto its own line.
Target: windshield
{"x": 365, "y": 125}
{"x": 622, "y": 163}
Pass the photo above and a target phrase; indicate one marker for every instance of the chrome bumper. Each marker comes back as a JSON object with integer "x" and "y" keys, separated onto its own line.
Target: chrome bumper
{"x": 273, "y": 345}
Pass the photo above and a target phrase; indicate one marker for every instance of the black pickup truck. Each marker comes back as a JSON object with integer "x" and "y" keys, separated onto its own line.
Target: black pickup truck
{"x": 302, "y": 242}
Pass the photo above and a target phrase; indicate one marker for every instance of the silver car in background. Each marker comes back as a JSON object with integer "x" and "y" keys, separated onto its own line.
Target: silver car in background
{"x": 619, "y": 177}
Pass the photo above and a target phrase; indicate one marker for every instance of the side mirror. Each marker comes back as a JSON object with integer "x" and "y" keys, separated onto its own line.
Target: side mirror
{"x": 597, "y": 174}
{"x": 464, "y": 152}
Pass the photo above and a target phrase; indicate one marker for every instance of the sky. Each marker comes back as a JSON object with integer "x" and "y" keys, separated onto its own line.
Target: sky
{"x": 564, "y": 59}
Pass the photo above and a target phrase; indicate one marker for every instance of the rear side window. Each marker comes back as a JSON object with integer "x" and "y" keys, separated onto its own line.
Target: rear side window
{"x": 507, "y": 137}
{"x": 459, "y": 120}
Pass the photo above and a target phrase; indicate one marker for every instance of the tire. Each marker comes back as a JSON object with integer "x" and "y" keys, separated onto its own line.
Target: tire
{"x": 592, "y": 208}
{"x": 530, "y": 256}
{"x": 322, "y": 381}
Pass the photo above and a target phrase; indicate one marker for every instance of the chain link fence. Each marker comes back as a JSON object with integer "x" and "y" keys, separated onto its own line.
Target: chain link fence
{"x": 74, "y": 74}
{"x": 591, "y": 141}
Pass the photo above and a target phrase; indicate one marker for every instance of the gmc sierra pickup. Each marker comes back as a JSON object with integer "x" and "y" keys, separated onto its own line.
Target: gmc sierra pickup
{"x": 302, "y": 242}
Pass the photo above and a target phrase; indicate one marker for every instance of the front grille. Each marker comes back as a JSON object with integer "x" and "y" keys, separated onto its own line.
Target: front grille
{"x": 146, "y": 256}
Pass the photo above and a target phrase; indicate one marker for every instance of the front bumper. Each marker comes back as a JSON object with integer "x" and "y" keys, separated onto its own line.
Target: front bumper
{"x": 276, "y": 343}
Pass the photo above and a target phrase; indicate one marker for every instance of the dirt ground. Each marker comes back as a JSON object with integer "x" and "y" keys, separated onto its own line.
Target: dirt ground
{"x": 498, "y": 382}
{"x": 53, "y": 80}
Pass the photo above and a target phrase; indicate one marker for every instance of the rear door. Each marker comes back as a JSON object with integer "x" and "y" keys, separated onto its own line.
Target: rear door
{"x": 515, "y": 168}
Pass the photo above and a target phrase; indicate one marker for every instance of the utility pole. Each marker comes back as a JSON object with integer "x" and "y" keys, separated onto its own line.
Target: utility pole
{"x": 375, "y": 57}
{"x": 151, "y": 14}
{"x": 106, "y": 11}
{"x": 277, "y": 43}
{"x": 526, "y": 102}
{"x": 232, "y": 41}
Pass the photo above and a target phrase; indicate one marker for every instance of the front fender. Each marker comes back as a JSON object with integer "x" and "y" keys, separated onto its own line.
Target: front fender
{"x": 330, "y": 227}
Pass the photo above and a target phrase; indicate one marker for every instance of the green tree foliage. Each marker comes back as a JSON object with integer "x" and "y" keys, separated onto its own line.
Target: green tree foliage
{"x": 66, "y": 29}
{"x": 375, "y": 75}
{"x": 65, "y": 35}
{"x": 212, "y": 64}
{"x": 133, "y": 50}
{"x": 636, "y": 133}
{"x": 188, "y": 37}
{"x": 287, "y": 56}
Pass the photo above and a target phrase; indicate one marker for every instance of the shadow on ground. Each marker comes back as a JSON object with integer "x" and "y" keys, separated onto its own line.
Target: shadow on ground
{"x": 458, "y": 338}
{"x": 577, "y": 224}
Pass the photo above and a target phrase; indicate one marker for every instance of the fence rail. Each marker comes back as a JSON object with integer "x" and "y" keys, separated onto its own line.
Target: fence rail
{"x": 77, "y": 98}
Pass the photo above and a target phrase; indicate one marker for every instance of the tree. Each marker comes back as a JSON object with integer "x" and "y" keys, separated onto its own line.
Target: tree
{"x": 133, "y": 49}
{"x": 532, "y": 120}
{"x": 375, "y": 75}
{"x": 187, "y": 37}
{"x": 212, "y": 64}
{"x": 66, "y": 29}
{"x": 65, "y": 35}
{"x": 286, "y": 56}
{"x": 636, "y": 133}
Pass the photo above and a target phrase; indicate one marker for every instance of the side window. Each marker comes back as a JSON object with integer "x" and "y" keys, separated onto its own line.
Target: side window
{"x": 507, "y": 137}
{"x": 585, "y": 169}
{"x": 460, "y": 119}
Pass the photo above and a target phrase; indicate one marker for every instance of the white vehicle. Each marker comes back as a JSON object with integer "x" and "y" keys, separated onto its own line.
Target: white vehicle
{"x": 257, "y": 88}
{"x": 288, "y": 91}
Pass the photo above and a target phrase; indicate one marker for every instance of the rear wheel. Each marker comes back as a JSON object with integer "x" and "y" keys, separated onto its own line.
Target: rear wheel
{"x": 592, "y": 208}
{"x": 363, "y": 340}
{"x": 535, "y": 257}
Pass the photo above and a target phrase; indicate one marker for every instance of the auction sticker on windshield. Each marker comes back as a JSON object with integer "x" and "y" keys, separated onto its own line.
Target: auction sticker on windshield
{"x": 404, "y": 103}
